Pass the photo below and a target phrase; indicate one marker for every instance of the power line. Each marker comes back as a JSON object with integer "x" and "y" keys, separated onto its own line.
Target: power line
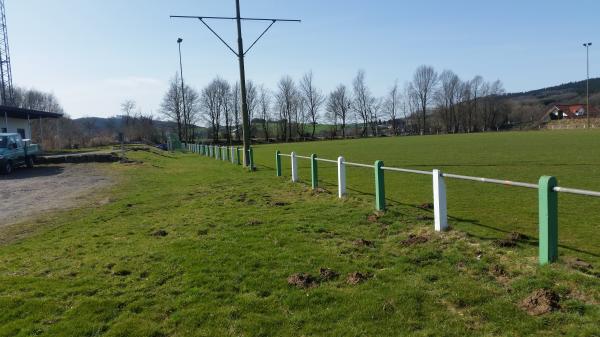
{"x": 240, "y": 53}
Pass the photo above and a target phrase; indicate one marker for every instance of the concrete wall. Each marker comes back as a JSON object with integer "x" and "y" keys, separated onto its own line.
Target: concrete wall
{"x": 14, "y": 124}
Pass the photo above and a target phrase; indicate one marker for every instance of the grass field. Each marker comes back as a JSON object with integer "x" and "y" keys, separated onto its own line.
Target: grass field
{"x": 485, "y": 210}
{"x": 190, "y": 246}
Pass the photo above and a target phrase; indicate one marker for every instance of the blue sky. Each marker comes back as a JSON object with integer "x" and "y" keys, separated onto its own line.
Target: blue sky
{"x": 95, "y": 54}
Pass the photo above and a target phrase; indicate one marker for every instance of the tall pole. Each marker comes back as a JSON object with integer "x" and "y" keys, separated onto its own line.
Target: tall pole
{"x": 240, "y": 55}
{"x": 179, "y": 40}
{"x": 587, "y": 51}
{"x": 245, "y": 118}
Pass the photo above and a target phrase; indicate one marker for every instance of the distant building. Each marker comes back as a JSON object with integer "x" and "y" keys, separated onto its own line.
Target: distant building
{"x": 17, "y": 120}
{"x": 570, "y": 111}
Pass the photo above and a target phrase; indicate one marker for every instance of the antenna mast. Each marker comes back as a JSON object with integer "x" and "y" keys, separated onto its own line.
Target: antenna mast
{"x": 6, "y": 86}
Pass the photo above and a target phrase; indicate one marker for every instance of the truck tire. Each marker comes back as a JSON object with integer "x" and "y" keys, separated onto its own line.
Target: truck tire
{"x": 7, "y": 168}
{"x": 29, "y": 162}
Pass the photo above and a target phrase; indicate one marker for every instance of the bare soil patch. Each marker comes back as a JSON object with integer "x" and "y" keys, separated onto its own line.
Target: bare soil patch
{"x": 541, "y": 301}
{"x": 328, "y": 274}
{"x": 414, "y": 239}
{"x": 356, "y": 278}
{"x": 30, "y": 192}
{"x": 302, "y": 281}
{"x": 363, "y": 243}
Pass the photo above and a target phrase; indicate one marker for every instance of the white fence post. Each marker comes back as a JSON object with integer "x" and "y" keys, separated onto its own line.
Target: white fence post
{"x": 341, "y": 177}
{"x": 440, "y": 209}
{"x": 232, "y": 150}
{"x": 294, "y": 167}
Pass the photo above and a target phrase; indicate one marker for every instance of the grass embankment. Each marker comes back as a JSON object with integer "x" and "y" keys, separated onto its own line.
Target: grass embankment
{"x": 189, "y": 246}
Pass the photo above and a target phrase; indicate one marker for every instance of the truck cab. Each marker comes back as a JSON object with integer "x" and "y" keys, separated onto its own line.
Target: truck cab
{"x": 15, "y": 152}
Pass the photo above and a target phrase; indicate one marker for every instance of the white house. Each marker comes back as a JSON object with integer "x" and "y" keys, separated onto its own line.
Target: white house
{"x": 17, "y": 120}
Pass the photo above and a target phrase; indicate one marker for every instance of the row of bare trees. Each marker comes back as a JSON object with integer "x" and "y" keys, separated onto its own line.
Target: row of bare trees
{"x": 431, "y": 102}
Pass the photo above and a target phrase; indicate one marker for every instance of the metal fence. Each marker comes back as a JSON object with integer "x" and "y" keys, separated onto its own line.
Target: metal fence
{"x": 225, "y": 153}
{"x": 547, "y": 187}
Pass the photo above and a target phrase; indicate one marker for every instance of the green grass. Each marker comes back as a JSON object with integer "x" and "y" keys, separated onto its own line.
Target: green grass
{"x": 234, "y": 237}
{"x": 485, "y": 210}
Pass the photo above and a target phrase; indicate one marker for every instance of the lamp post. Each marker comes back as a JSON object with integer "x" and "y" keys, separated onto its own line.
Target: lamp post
{"x": 179, "y": 40}
{"x": 587, "y": 49}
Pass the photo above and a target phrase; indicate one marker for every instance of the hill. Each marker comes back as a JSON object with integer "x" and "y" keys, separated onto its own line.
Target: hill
{"x": 572, "y": 92}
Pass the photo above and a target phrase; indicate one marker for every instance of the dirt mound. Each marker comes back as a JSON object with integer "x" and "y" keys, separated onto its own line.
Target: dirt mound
{"x": 279, "y": 204}
{"x": 253, "y": 223}
{"x": 160, "y": 233}
{"x": 541, "y": 301}
{"x": 423, "y": 218}
{"x": 356, "y": 278}
{"x": 504, "y": 243}
{"x": 373, "y": 218}
{"x": 426, "y": 206}
{"x": 414, "y": 239}
{"x": 498, "y": 270}
{"x": 319, "y": 190}
{"x": 302, "y": 281}
{"x": 328, "y": 274}
{"x": 578, "y": 264}
{"x": 363, "y": 243}
{"x": 511, "y": 240}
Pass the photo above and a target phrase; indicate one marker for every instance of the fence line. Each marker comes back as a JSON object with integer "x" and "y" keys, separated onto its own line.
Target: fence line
{"x": 224, "y": 153}
{"x": 547, "y": 187}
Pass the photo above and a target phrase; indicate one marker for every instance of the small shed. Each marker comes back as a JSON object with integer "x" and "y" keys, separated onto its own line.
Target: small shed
{"x": 18, "y": 120}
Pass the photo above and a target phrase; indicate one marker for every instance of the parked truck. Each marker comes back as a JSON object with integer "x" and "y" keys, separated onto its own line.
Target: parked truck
{"x": 16, "y": 152}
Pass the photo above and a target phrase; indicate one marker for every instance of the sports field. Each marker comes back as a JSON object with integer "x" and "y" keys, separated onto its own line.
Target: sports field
{"x": 185, "y": 245}
{"x": 484, "y": 210}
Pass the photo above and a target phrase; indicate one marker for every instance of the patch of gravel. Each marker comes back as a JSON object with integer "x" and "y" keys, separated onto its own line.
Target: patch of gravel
{"x": 30, "y": 192}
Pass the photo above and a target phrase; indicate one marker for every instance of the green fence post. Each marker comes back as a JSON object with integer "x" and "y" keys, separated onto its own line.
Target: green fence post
{"x": 314, "y": 172}
{"x": 548, "y": 235}
{"x": 379, "y": 186}
{"x": 237, "y": 154}
{"x": 226, "y": 153}
{"x": 251, "y": 158}
{"x": 278, "y": 163}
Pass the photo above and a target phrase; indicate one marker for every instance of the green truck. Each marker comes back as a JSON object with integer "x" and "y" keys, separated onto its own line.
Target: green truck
{"x": 15, "y": 152}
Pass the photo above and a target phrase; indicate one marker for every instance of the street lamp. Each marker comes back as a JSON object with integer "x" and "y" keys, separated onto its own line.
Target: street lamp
{"x": 179, "y": 40}
{"x": 587, "y": 49}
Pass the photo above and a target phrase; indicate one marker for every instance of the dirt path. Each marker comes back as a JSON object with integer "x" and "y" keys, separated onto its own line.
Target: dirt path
{"x": 31, "y": 192}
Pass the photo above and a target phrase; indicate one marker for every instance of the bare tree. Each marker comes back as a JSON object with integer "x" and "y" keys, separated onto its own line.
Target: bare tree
{"x": 191, "y": 115}
{"x": 171, "y": 106}
{"x": 287, "y": 101}
{"x": 392, "y": 106}
{"x": 236, "y": 108}
{"x": 476, "y": 88}
{"x": 447, "y": 96}
{"x": 424, "y": 82}
{"x": 339, "y": 104}
{"x": 313, "y": 100}
{"x": 363, "y": 102}
{"x": 265, "y": 110}
{"x": 211, "y": 105}
{"x": 252, "y": 98}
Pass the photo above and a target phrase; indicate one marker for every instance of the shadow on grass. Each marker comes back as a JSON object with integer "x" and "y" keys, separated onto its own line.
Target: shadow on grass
{"x": 533, "y": 242}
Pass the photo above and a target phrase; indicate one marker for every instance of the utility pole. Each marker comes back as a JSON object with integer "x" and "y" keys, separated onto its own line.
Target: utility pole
{"x": 179, "y": 40}
{"x": 587, "y": 49}
{"x": 240, "y": 55}
{"x": 245, "y": 113}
